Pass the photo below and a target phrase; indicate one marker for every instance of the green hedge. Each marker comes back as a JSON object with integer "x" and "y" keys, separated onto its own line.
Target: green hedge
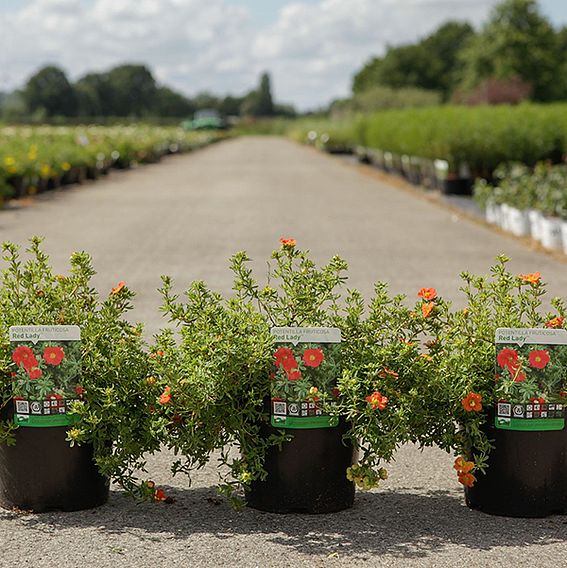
{"x": 481, "y": 137}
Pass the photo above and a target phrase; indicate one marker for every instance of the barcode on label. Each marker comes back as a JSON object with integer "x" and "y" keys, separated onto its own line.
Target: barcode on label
{"x": 504, "y": 409}
{"x": 280, "y": 408}
{"x": 22, "y": 407}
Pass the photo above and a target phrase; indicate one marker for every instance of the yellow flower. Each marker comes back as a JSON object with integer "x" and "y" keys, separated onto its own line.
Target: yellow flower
{"x": 65, "y": 166}
{"x": 9, "y": 161}
{"x": 44, "y": 170}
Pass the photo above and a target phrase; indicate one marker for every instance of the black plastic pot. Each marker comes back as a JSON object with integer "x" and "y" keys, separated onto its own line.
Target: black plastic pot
{"x": 526, "y": 474}
{"x": 18, "y": 184}
{"x": 308, "y": 473}
{"x": 41, "y": 472}
{"x": 457, "y": 186}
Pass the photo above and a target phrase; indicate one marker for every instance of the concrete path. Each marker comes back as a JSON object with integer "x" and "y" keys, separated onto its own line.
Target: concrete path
{"x": 185, "y": 217}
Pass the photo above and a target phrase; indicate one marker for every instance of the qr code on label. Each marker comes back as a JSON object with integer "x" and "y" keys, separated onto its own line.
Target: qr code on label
{"x": 280, "y": 408}
{"x": 22, "y": 407}
{"x": 504, "y": 409}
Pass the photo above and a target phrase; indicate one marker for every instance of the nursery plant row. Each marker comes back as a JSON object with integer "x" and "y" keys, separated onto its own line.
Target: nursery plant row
{"x": 528, "y": 203}
{"x": 35, "y": 159}
{"x": 314, "y": 384}
{"x": 447, "y": 146}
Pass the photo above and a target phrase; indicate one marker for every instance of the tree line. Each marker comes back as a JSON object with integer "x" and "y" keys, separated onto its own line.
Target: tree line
{"x": 516, "y": 55}
{"x": 128, "y": 90}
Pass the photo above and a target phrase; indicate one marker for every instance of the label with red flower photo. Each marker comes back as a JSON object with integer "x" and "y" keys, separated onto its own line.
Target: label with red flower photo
{"x": 307, "y": 365}
{"x": 46, "y": 374}
{"x": 531, "y": 379}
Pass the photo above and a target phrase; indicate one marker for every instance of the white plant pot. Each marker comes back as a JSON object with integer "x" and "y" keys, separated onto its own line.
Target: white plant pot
{"x": 492, "y": 213}
{"x": 551, "y": 233}
{"x": 535, "y": 217}
{"x": 518, "y": 222}
{"x": 504, "y": 217}
{"x": 564, "y": 235}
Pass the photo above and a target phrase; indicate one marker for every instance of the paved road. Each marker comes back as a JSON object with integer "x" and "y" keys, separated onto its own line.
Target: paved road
{"x": 185, "y": 217}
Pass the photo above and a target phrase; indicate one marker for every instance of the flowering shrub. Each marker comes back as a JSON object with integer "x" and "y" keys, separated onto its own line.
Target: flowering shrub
{"x": 216, "y": 384}
{"x": 113, "y": 396}
{"x": 474, "y": 374}
{"x": 33, "y": 159}
{"x": 389, "y": 381}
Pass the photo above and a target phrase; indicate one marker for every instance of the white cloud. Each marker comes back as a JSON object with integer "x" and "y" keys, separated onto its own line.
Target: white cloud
{"x": 318, "y": 47}
{"x": 312, "y": 49}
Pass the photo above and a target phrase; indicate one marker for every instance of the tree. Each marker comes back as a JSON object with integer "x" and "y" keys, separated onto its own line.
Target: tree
{"x": 172, "y": 104}
{"x": 205, "y": 100}
{"x": 442, "y": 49}
{"x": 133, "y": 90}
{"x": 265, "y": 104}
{"x": 430, "y": 64}
{"x": 94, "y": 97}
{"x": 516, "y": 42}
{"x": 50, "y": 92}
{"x": 259, "y": 103}
{"x": 230, "y": 106}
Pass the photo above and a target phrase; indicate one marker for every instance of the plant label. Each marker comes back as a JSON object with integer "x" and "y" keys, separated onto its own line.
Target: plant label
{"x": 531, "y": 367}
{"x": 307, "y": 366}
{"x": 46, "y": 374}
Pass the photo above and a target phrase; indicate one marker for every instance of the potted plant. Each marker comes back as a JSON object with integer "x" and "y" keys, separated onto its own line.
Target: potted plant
{"x": 550, "y": 183}
{"x": 501, "y": 384}
{"x": 73, "y": 388}
{"x": 262, "y": 377}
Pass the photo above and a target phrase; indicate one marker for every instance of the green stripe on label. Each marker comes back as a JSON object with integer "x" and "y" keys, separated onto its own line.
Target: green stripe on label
{"x": 46, "y": 421}
{"x": 530, "y": 424}
{"x": 304, "y": 422}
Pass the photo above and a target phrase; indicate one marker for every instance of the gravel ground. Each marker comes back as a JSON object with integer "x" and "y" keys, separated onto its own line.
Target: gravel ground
{"x": 185, "y": 217}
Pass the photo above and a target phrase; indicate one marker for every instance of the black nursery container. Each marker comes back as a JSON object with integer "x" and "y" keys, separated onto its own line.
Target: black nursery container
{"x": 42, "y": 472}
{"x": 526, "y": 474}
{"x": 307, "y": 474}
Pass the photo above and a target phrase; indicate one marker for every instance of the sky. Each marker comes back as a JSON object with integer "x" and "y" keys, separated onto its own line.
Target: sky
{"x": 311, "y": 48}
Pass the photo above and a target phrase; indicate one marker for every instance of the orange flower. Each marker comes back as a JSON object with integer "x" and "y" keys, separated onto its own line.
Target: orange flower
{"x": 472, "y": 402}
{"x": 406, "y": 341}
{"x": 426, "y": 357}
{"x": 293, "y": 374}
{"x": 377, "y": 401}
{"x": 555, "y": 322}
{"x": 467, "y": 479}
{"x": 508, "y": 358}
{"x": 388, "y": 373}
{"x": 538, "y": 359}
{"x": 34, "y": 373}
{"x": 427, "y": 294}
{"x": 288, "y": 243}
{"x": 533, "y": 278}
{"x": 156, "y": 354}
{"x": 53, "y": 355}
{"x": 313, "y": 357}
{"x": 165, "y": 397}
{"x": 427, "y": 308}
{"x": 159, "y": 495}
{"x": 282, "y": 357}
{"x": 24, "y": 356}
{"x": 118, "y": 288}
{"x": 463, "y": 466}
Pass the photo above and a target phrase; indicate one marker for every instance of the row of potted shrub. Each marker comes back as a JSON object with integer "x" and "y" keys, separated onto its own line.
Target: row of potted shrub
{"x": 528, "y": 202}
{"x": 447, "y": 146}
{"x": 409, "y": 370}
{"x": 34, "y": 159}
